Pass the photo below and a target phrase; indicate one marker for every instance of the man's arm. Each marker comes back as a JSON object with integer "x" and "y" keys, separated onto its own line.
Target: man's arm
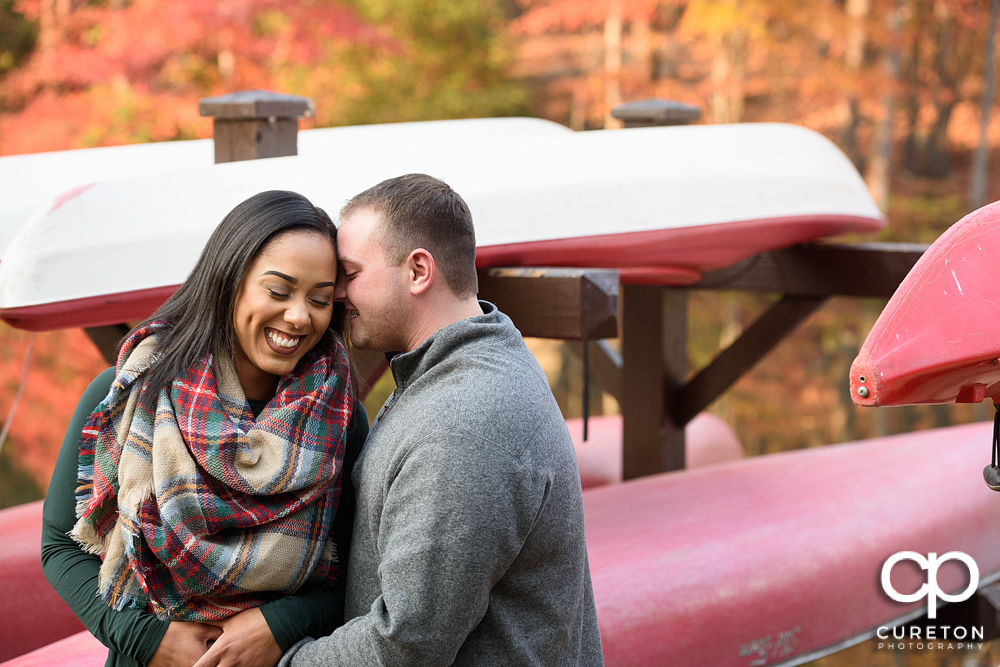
{"x": 456, "y": 513}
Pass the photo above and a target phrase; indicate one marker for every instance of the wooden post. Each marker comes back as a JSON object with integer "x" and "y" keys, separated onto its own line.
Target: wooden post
{"x": 254, "y": 124}
{"x": 106, "y": 340}
{"x": 654, "y": 363}
{"x": 655, "y": 113}
{"x": 654, "y": 340}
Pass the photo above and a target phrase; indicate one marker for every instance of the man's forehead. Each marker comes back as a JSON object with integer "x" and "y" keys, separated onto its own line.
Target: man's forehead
{"x": 356, "y": 235}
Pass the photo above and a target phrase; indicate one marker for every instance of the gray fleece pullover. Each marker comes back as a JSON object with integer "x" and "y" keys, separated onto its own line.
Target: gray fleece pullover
{"x": 469, "y": 544}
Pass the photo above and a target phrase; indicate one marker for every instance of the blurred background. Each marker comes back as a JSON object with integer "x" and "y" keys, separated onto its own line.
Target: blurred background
{"x": 899, "y": 85}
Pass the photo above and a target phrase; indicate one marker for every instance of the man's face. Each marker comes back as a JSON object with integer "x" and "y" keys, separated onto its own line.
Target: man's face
{"x": 374, "y": 293}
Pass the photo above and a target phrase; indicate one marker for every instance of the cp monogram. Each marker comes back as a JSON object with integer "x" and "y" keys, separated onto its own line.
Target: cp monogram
{"x": 930, "y": 589}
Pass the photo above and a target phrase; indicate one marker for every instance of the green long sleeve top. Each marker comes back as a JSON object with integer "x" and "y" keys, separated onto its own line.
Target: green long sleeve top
{"x": 132, "y": 635}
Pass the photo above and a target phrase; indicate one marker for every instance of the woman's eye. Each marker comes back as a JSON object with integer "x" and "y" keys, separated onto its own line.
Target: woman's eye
{"x": 278, "y": 295}
{"x": 322, "y": 303}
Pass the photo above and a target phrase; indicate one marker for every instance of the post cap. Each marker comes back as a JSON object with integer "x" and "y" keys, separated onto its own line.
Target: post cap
{"x": 257, "y": 104}
{"x": 656, "y": 112}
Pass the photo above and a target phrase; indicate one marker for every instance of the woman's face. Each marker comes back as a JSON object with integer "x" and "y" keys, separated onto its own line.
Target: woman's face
{"x": 283, "y": 307}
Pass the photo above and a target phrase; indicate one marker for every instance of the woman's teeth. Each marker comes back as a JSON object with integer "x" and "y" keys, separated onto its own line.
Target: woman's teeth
{"x": 281, "y": 340}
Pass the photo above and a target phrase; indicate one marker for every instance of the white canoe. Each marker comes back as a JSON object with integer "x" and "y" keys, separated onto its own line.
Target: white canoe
{"x": 28, "y": 181}
{"x": 661, "y": 204}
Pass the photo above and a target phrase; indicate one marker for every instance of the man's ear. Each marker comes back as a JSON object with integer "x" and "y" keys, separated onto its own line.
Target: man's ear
{"x": 420, "y": 265}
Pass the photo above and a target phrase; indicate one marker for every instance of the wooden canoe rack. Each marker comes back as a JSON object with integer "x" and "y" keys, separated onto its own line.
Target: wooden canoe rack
{"x": 585, "y": 306}
{"x": 657, "y": 401}
{"x": 577, "y": 305}
{"x": 563, "y": 303}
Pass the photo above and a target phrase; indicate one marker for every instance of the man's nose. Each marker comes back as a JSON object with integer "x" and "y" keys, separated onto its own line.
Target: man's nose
{"x": 340, "y": 289}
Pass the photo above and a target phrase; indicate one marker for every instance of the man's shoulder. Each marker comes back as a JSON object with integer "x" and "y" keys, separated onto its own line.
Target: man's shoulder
{"x": 484, "y": 405}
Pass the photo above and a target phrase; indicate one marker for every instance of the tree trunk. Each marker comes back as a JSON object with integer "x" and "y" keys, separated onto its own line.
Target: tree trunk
{"x": 980, "y": 161}
{"x": 642, "y": 48}
{"x": 938, "y": 160}
{"x": 612, "y": 63}
{"x": 911, "y": 149}
{"x": 880, "y": 162}
{"x": 728, "y": 75}
{"x": 854, "y": 54}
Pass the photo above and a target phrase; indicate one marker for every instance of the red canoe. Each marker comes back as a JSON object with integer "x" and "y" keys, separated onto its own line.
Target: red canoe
{"x": 937, "y": 340}
{"x": 765, "y": 560}
{"x": 777, "y": 558}
{"x": 33, "y": 615}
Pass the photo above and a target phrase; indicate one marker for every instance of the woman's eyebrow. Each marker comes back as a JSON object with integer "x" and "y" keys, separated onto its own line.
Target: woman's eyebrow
{"x": 294, "y": 281}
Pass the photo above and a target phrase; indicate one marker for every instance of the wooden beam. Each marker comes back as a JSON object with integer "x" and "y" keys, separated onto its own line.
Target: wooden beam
{"x": 863, "y": 270}
{"x": 605, "y": 364}
{"x": 654, "y": 362}
{"x": 759, "y": 339}
{"x": 106, "y": 340}
{"x": 572, "y": 304}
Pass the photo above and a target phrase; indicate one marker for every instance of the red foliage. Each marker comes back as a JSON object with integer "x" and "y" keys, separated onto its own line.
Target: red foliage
{"x": 103, "y": 75}
{"x": 62, "y": 365}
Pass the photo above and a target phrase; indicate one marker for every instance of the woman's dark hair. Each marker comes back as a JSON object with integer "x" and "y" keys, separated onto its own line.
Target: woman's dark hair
{"x": 199, "y": 315}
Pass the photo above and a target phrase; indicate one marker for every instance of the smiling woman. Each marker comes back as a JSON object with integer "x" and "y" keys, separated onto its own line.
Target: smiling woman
{"x": 283, "y": 308}
{"x": 208, "y": 465}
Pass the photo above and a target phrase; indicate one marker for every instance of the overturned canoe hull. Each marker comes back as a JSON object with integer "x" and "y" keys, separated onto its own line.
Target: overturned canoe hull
{"x": 30, "y": 180}
{"x": 937, "y": 340}
{"x": 662, "y": 204}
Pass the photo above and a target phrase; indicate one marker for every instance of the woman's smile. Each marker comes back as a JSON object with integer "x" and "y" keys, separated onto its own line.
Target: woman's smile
{"x": 281, "y": 342}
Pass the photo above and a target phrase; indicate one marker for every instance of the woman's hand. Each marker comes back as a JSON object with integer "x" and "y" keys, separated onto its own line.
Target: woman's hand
{"x": 184, "y": 643}
{"x": 246, "y": 641}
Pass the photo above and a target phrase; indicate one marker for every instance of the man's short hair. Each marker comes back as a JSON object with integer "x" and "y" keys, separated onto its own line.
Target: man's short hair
{"x": 420, "y": 211}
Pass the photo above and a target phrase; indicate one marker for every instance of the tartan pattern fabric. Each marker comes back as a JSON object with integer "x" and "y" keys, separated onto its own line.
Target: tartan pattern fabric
{"x": 199, "y": 510}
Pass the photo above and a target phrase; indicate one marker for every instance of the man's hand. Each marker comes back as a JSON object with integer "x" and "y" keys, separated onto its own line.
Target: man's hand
{"x": 183, "y": 644}
{"x": 246, "y": 641}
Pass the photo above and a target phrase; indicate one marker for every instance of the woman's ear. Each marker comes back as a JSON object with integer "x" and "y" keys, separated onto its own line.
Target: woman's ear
{"x": 420, "y": 266}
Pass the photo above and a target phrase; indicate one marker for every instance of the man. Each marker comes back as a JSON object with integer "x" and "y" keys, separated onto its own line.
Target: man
{"x": 468, "y": 544}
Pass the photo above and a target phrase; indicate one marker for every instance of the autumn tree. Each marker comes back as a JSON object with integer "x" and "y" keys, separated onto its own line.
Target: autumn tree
{"x": 439, "y": 59}
{"x": 111, "y": 73}
{"x": 17, "y": 36}
{"x": 604, "y": 50}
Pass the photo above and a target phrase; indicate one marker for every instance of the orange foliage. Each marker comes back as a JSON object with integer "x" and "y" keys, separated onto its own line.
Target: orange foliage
{"x": 103, "y": 75}
{"x": 62, "y": 365}
{"x": 571, "y": 15}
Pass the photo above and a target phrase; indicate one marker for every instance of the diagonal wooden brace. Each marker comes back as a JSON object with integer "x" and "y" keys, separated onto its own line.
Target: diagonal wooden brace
{"x": 759, "y": 339}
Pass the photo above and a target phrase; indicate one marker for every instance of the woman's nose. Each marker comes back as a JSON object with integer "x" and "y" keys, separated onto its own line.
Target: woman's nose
{"x": 297, "y": 314}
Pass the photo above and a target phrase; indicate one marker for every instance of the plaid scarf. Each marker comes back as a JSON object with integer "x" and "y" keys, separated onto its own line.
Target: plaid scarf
{"x": 199, "y": 510}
